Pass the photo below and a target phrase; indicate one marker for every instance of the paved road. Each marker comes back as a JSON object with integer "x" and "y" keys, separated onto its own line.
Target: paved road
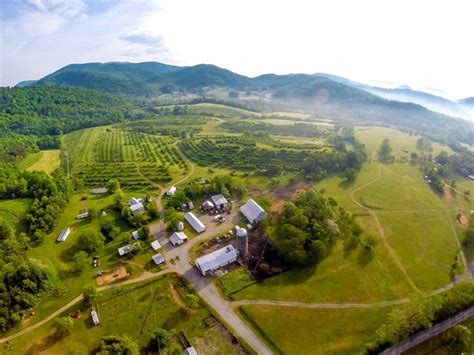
{"x": 426, "y": 334}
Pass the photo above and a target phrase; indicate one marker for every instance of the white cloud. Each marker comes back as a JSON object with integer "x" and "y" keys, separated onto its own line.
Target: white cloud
{"x": 419, "y": 43}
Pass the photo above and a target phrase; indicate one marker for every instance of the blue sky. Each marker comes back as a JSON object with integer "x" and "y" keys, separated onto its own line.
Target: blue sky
{"x": 424, "y": 44}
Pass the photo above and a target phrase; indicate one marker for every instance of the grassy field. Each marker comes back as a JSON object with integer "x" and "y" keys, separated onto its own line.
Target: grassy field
{"x": 14, "y": 211}
{"x": 48, "y": 161}
{"x": 315, "y": 331}
{"x": 135, "y": 311}
{"x": 234, "y": 281}
{"x": 57, "y": 258}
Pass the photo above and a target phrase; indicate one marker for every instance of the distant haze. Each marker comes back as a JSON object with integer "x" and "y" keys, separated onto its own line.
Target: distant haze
{"x": 423, "y": 44}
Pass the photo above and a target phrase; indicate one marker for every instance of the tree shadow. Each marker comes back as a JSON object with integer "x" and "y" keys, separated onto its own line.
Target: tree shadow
{"x": 366, "y": 255}
{"x": 46, "y": 343}
{"x": 349, "y": 246}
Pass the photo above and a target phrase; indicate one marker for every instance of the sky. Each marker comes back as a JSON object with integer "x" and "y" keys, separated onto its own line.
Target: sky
{"x": 424, "y": 44}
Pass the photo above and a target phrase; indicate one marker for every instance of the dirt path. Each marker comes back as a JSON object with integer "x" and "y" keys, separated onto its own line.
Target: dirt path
{"x": 391, "y": 252}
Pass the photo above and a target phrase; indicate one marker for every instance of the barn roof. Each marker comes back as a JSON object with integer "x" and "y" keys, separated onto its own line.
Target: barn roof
{"x": 63, "y": 235}
{"x": 194, "y": 222}
{"x": 218, "y": 200}
{"x": 252, "y": 211}
{"x": 216, "y": 259}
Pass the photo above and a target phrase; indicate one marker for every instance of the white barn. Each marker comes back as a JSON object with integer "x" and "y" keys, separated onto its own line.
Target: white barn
{"x": 216, "y": 259}
{"x": 178, "y": 238}
{"x": 253, "y": 212}
{"x": 194, "y": 222}
{"x": 63, "y": 235}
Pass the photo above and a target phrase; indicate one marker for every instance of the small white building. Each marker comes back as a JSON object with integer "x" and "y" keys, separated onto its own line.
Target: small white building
{"x": 180, "y": 226}
{"x": 136, "y": 205}
{"x": 216, "y": 259}
{"x": 178, "y": 238}
{"x": 95, "y": 317}
{"x": 127, "y": 249}
{"x": 158, "y": 259}
{"x": 253, "y": 212}
{"x": 171, "y": 191}
{"x": 207, "y": 206}
{"x": 135, "y": 235}
{"x": 155, "y": 245}
{"x": 190, "y": 204}
{"x": 63, "y": 235}
{"x": 194, "y": 222}
{"x": 83, "y": 215}
{"x": 219, "y": 201}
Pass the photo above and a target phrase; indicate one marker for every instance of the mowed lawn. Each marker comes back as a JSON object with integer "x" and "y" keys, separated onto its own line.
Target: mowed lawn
{"x": 48, "y": 161}
{"x": 295, "y": 330}
{"x": 135, "y": 311}
{"x": 14, "y": 212}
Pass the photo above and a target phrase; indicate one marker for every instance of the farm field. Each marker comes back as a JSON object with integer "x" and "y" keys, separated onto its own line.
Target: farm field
{"x": 138, "y": 160}
{"x": 136, "y": 311}
{"x": 48, "y": 161}
{"x": 294, "y": 330}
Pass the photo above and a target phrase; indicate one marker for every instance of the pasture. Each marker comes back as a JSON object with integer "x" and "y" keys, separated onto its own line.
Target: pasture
{"x": 293, "y": 330}
{"x": 136, "y": 311}
{"x": 14, "y": 212}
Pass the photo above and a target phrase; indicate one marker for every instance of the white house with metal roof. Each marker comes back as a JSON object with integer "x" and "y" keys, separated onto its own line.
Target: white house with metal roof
{"x": 63, "y": 235}
{"x": 253, "y": 212}
{"x": 194, "y": 222}
{"x": 178, "y": 238}
{"x": 136, "y": 205}
{"x": 216, "y": 259}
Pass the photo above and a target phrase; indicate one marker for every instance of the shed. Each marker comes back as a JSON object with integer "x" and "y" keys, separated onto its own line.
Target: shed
{"x": 178, "y": 238}
{"x": 253, "y": 212}
{"x": 194, "y": 222}
{"x": 127, "y": 248}
{"x": 158, "y": 259}
{"x": 83, "y": 215}
{"x": 207, "y": 205}
{"x": 217, "y": 259}
{"x": 95, "y": 317}
{"x": 190, "y": 351}
{"x": 219, "y": 201}
{"x": 135, "y": 235}
{"x": 63, "y": 235}
{"x": 180, "y": 226}
{"x": 190, "y": 204}
{"x": 171, "y": 191}
{"x": 155, "y": 245}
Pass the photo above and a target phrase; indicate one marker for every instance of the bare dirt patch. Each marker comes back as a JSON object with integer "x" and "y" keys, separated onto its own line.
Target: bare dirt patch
{"x": 462, "y": 220}
{"x": 284, "y": 192}
{"x": 112, "y": 276}
{"x": 176, "y": 297}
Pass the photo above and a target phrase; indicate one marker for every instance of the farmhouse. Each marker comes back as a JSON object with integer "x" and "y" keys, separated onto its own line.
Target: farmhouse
{"x": 216, "y": 259}
{"x": 135, "y": 235}
{"x": 253, "y": 212}
{"x": 219, "y": 201}
{"x": 95, "y": 317}
{"x": 178, "y": 238}
{"x": 127, "y": 248}
{"x": 136, "y": 205}
{"x": 194, "y": 222}
{"x": 63, "y": 235}
{"x": 171, "y": 191}
{"x": 155, "y": 245}
{"x": 158, "y": 259}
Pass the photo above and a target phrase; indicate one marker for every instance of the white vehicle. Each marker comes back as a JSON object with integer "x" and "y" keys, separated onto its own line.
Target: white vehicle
{"x": 217, "y": 218}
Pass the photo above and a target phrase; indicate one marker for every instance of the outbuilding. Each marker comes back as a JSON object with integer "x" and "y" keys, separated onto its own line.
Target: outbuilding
{"x": 95, "y": 317}
{"x": 217, "y": 259}
{"x": 63, "y": 235}
{"x": 190, "y": 351}
{"x": 207, "y": 206}
{"x": 135, "y": 235}
{"x": 253, "y": 212}
{"x": 136, "y": 205}
{"x": 171, "y": 191}
{"x": 158, "y": 258}
{"x": 219, "y": 201}
{"x": 155, "y": 245}
{"x": 127, "y": 249}
{"x": 194, "y": 222}
{"x": 178, "y": 238}
{"x": 180, "y": 226}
